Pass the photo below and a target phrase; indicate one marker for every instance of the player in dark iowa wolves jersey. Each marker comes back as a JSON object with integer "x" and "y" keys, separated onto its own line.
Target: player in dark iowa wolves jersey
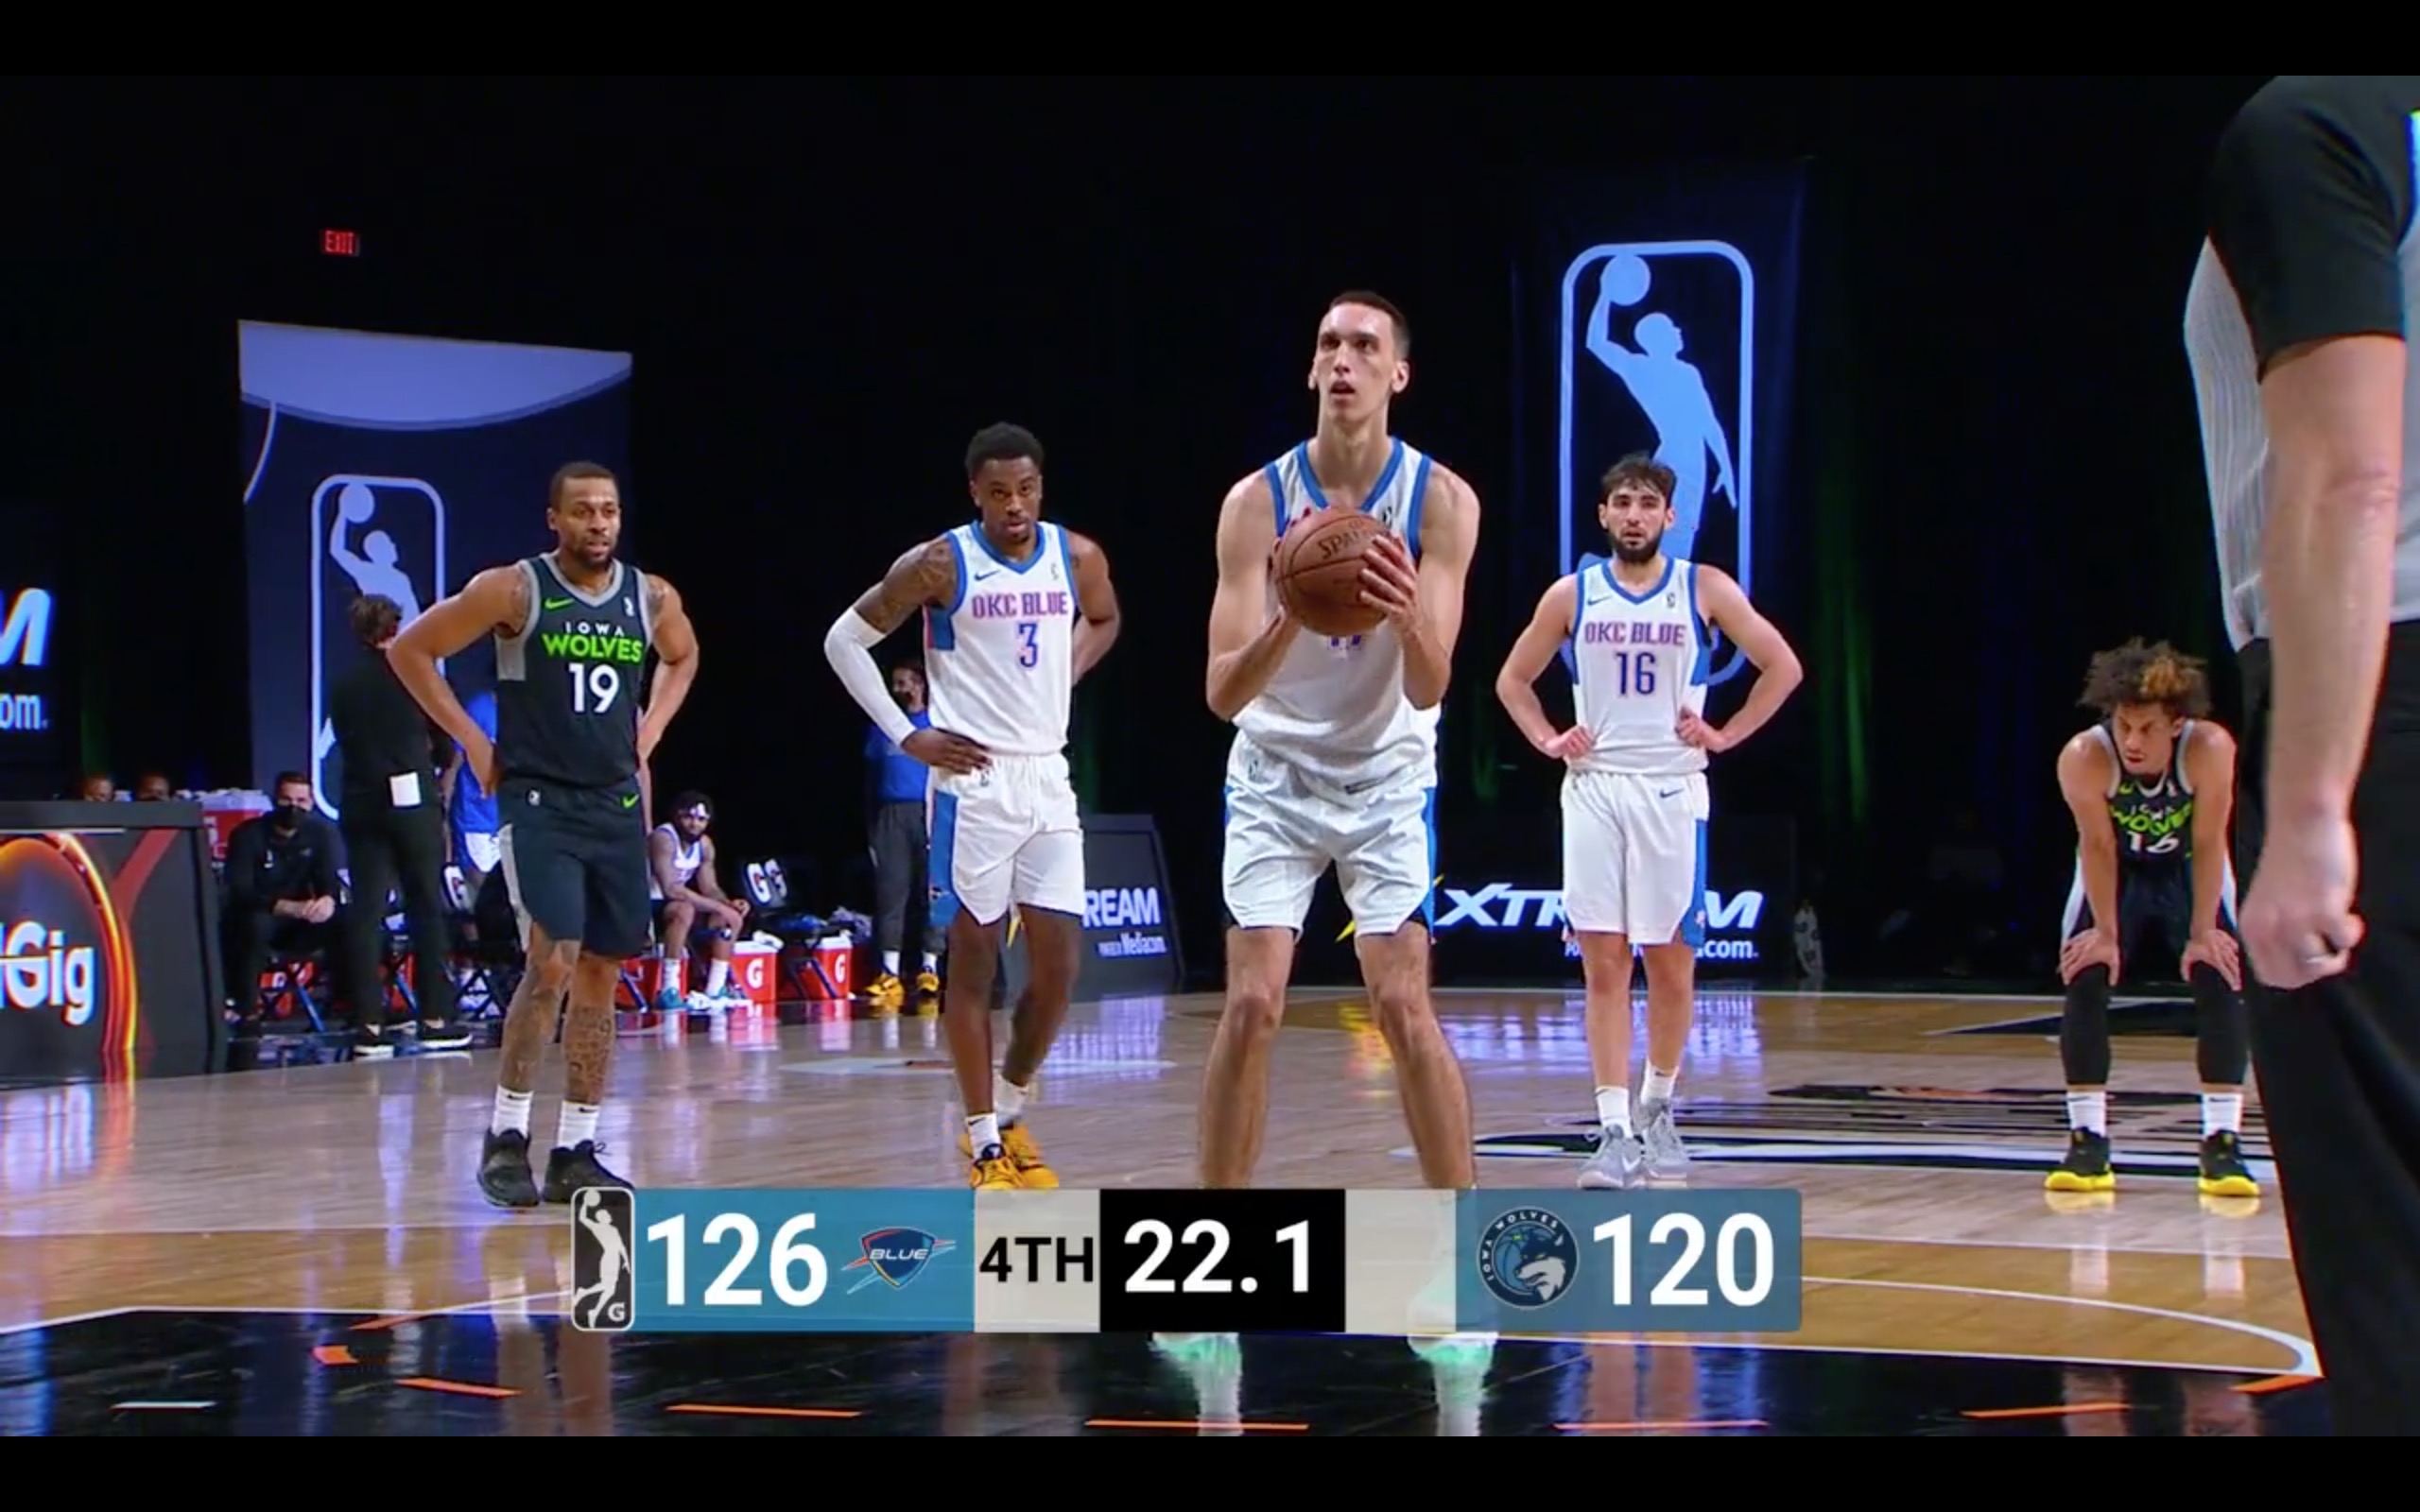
{"x": 2152, "y": 786}
{"x": 574, "y": 631}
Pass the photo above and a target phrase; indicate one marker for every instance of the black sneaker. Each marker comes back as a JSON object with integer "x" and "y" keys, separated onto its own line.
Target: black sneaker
{"x": 373, "y": 1045}
{"x": 444, "y": 1037}
{"x": 567, "y": 1171}
{"x": 504, "y": 1171}
{"x": 2086, "y": 1167}
{"x": 2223, "y": 1173}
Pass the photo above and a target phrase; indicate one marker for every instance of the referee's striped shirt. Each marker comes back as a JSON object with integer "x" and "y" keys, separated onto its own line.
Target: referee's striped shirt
{"x": 2309, "y": 236}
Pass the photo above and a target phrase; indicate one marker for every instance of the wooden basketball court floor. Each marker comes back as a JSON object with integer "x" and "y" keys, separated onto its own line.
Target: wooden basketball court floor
{"x": 302, "y": 1250}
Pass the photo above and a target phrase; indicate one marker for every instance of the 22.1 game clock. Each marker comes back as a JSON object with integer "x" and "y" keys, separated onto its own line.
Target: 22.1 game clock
{"x": 1248, "y": 1261}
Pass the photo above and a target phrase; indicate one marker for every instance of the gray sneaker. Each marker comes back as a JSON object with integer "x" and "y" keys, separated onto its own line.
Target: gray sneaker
{"x": 1666, "y": 1159}
{"x": 1619, "y": 1164}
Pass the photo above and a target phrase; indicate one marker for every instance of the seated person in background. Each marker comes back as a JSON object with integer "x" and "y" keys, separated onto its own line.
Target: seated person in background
{"x": 153, "y": 788}
{"x": 96, "y": 787}
{"x": 281, "y": 889}
{"x": 691, "y": 905}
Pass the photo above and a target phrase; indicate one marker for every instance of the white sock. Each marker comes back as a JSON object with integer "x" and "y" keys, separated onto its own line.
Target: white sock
{"x": 983, "y": 1132}
{"x": 932, "y": 962}
{"x": 1613, "y": 1108}
{"x": 2222, "y": 1113}
{"x": 676, "y": 976}
{"x": 2088, "y": 1111}
{"x": 1008, "y": 1099}
{"x": 890, "y": 963}
{"x": 717, "y": 973}
{"x": 1657, "y": 1086}
{"x": 512, "y": 1113}
{"x": 576, "y": 1125}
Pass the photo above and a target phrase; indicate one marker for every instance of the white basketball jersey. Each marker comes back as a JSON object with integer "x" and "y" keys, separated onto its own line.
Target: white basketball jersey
{"x": 1337, "y": 709}
{"x": 999, "y": 661}
{"x": 686, "y": 859}
{"x": 1641, "y": 658}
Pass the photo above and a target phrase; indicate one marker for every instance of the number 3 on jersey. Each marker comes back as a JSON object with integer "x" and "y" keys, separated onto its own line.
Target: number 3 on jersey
{"x": 1028, "y": 649}
{"x": 594, "y": 687}
{"x": 1634, "y": 674}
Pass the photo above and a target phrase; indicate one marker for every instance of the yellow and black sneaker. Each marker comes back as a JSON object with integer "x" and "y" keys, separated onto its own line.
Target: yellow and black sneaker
{"x": 2223, "y": 1173}
{"x": 1024, "y": 1155}
{"x": 928, "y": 991}
{"x": 2086, "y": 1167}
{"x": 993, "y": 1171}
{"x": 885, "y": 993}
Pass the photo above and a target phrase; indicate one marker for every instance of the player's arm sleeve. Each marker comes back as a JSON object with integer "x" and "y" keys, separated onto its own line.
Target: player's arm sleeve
{"x": 2310, "y": 197}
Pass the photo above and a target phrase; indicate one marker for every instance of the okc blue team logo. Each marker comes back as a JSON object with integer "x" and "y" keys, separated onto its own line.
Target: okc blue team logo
{"x": 897, "y": 1256}
{"x": 1528, "y": 1257}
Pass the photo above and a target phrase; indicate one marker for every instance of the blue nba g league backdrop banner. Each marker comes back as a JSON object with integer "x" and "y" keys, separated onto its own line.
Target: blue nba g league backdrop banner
{"x": 396, "y": 465}
{"x": 1659, "y": 313}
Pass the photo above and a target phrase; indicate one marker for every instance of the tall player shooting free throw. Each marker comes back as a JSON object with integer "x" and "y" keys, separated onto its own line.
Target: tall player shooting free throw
{"x": 1634, "y": 801}
{"x": 1335, "y": 756}
{"x": 572, "y": 632}
{"x": 1015, "y": 612}
{"x": 2152, "y": 786}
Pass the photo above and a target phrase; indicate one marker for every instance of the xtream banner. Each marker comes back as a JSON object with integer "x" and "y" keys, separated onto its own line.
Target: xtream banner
{"x": 1506, "y": 925}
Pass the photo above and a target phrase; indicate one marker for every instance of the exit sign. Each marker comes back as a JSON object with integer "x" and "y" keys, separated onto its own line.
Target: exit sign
{"x": 340, "y": 242}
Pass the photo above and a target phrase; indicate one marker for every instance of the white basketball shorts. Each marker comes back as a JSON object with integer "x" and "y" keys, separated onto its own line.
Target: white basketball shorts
{"x": 1285, "y": 828}
{"x": 1006, "y": 834}
{"x": 1633, "y": 856}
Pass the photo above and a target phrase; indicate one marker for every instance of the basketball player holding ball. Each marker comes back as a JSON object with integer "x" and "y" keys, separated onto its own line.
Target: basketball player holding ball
{"x": 1340, "y": 598}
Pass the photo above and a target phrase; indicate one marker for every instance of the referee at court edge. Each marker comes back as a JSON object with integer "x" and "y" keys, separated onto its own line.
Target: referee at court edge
{"x": 2295, "y": 329}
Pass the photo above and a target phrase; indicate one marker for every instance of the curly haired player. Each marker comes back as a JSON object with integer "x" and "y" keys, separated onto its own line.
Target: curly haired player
{"x": 2152, "y": 786}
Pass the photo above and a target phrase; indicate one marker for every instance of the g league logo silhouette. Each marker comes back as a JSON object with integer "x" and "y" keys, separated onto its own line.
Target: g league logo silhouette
{"x": 1614, "y": 325}
{"x": 386, "y": 536}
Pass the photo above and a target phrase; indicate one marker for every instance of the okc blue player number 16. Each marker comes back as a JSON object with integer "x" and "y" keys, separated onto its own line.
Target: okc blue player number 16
{"x": 763, "y": 1262}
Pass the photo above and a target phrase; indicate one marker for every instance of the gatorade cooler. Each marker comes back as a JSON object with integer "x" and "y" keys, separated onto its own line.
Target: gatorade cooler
{"x": 757, "y": 969}
{"x": 828, "y": 970}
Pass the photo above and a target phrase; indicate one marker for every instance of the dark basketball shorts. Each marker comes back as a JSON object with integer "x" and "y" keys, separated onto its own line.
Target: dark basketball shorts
{"x": 2154, "y": 910}
{"x": 576, "y": 860}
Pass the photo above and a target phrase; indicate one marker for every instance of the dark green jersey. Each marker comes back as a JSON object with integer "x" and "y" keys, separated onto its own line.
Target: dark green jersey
{"x": 567, "y": 687}
{"x": 2153, "y": 816}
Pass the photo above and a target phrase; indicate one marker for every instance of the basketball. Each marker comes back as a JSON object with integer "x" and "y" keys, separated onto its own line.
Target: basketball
{"x": 1318, "y": 572}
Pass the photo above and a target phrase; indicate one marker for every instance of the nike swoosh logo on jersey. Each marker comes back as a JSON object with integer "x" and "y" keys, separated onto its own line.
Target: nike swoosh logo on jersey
{"x": 1669, "y": 792}
{"x": 630, "y": 800}
{"x": 557, "y": 603}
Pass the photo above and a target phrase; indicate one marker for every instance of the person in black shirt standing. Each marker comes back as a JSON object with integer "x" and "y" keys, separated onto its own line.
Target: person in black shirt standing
{"x": 281, "y": 889}
{"x": 2295, "y": 326}
{"x": 394, "y": 836}
{"x": 572, "y": 632}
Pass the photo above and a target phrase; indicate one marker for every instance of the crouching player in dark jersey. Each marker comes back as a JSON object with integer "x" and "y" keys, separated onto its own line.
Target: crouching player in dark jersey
{"x": 574, "y": 629}
{"x": 2152, "y": 786}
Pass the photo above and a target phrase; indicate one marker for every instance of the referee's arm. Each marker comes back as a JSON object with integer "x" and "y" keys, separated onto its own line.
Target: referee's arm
{"x": 2307, "y": 216}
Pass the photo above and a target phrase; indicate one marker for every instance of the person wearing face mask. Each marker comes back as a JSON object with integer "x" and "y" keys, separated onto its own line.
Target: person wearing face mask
{"x": 281, "y": 889}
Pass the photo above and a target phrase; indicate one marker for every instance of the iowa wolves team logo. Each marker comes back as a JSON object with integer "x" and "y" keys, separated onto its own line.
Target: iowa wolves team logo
{"x": 897, "y": 1256}
{"x": 1659, "y": 355}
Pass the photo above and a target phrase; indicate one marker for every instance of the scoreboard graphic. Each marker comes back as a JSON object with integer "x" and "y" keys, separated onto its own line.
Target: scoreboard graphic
{"x": 1189, "y": 1262}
